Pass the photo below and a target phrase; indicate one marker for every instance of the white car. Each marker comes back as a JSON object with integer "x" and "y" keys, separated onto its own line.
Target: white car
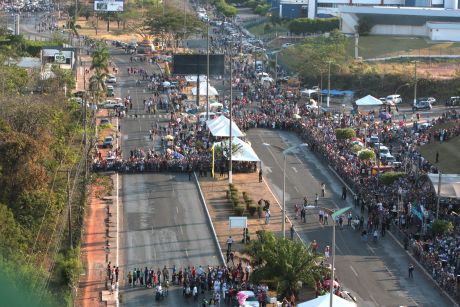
{"x": 384, "y": 152}
{"x": 111, "y": 79}
{"x": 111, "y": 104}
{"x": 286, "y": 45}
{"x": 393, "y": 99}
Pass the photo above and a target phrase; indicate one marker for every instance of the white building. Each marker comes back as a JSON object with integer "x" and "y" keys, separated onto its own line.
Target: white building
{"x": 435, "y": 23}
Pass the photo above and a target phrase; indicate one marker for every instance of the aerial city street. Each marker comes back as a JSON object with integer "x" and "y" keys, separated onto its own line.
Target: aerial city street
{"x": 229, "y": 153}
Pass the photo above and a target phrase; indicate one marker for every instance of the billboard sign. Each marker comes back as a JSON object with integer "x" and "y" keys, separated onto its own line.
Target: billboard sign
{"x": 108, "y": 5}
{"x": 196, "y": 64}
{"x": 59, "y": 58}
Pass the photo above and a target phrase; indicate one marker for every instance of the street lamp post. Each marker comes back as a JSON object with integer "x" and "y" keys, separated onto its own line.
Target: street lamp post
{"x": 401, "y": 86}
{"x": 329, "y": 84}
{"x": 285, "y": 152}
{"x": 230, "y": 168}
{"x": 415, "y": 82}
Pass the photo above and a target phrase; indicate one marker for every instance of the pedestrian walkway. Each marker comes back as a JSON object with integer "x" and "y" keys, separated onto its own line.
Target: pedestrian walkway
{"x": 220, "y": 208}
{"x": 98, "y": 247}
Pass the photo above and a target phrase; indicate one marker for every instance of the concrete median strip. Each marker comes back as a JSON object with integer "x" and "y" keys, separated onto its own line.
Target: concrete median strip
{"x": 203, "y": 201}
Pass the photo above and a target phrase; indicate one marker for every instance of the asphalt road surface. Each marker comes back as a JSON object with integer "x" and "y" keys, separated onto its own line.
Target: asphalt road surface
{"x": 163, "y": 221}
{"x": 376, "y": 273}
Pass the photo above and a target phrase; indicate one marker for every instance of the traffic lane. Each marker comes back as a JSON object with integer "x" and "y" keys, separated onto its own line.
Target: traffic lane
{"x": 163, "y": 224}
{"x": 346, "y": 243}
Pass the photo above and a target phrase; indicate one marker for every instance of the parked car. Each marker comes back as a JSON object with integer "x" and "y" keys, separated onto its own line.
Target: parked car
{"x": 393, "y": 99}
{"x": 373, "y": 139}
{"x": 421, "y": 105}
{"x": 108, "y": 142}
{"x": 384, "y": 152}
{"x": 110, "y": 91}
{"x": 104, "y": 121}
{"x": 111, "y": 79}
{"x": 453, "y": 101}
{"x": 111, "y": 104}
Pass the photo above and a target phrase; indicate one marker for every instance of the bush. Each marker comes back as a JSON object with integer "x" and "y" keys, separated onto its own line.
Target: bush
{"x": 236, "y": 203}
{"x": 364, "y": 26}
{"x": 390, "y": 177}
{"x": 239, "y": 210}
{"x": 259, "y": 211}
{"x": 245, "y": 195}
{"x": 366, "y": 155}
{"x": 225, "y": 8}
{"x": 356, "y": 148}
{"x": 343, "y": 134}
{"x": 305, "y": 25}
{"x": 441, "y": 227}
{"x": 252, "y": 209}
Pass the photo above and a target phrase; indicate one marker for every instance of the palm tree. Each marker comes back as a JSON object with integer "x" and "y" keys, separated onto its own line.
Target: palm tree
{"x": 100, "y": 59}
{"x": 97, "y": 84}
{"x": 286, "y": 264}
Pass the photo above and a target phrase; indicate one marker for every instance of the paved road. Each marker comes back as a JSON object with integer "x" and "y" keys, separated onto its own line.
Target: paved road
{"x": 163, "y": 221}
{"x": 377, "y": 273}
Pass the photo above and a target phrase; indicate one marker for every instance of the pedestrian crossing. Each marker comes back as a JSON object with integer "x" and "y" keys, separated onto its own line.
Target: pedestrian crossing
{"x": 143, "y": 116}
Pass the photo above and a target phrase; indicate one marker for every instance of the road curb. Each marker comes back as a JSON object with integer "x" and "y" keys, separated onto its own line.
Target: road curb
{"x": 203, "y": 201}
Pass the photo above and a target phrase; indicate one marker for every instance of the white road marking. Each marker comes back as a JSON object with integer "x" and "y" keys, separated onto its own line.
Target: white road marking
{"x": 296, "y": 189}
{"x": 181, "y": 230}
{"x": 354, "y": 271}
{"x": 373, "y": 299}
{"x": 269, "y": 169}
{"x": 117, "y": 301}
{"x": 125, "y": 137}
{"x": 298, "y": 159}
{"x": 186, "y": 253}
{"x": 294, "y": 169}
{"x": 371, "y": 249}
{"x": 177, "y": 210}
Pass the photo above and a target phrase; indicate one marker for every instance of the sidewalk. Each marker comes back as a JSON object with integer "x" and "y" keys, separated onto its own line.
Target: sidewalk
{"x": 220, "y": 208}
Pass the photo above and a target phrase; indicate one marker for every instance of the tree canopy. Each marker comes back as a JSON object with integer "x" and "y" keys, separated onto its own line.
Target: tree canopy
{"x": 284, "y": 263}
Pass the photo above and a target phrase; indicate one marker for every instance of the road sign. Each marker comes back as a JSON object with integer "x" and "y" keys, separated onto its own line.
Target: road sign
{"x": 238, "y": 221}
{"x": 59, "y": 58}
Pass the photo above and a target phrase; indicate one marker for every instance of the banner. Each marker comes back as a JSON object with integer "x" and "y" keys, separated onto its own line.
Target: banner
{"x": 108, "y": 5}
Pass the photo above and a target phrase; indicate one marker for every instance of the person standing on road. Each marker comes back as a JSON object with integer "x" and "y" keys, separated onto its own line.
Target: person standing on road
{"x": 316, "y": 199}
{"x": 267, "y": 216}
{"x": 260, "y": 175}
{"x": 325, "y": 219}
{"x": 411, "y": 271}
{"x": 323, "y": 189}
{"x": 321, "y": 215}
{"x": 344, "y": 193}
{"x": 229, "y": 243}
{"x": 349, "y": 218}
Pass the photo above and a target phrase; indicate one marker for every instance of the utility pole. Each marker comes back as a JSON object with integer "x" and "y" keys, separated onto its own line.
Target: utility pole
{"x": 85, "y": 121}
{"x": 439, "y": 195}
{"x": 207, "y": 67}
{"x": 70, "y": 209}
{"x": 415, "y": 82}
{"x": 329, "y": 84}
{"x": 231, "y": 109}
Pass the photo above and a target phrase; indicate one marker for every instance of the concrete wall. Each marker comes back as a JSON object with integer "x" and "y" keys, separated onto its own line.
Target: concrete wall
{"x": 399, "y": 30}
{"x": 445, "y": 35}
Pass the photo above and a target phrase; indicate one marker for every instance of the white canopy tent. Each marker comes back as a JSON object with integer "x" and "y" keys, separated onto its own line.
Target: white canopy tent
{"x": 212, "y": 90}
{"x": 450, "y": 185}
{"x": 368, "y": 101}
{"x": 244, "y": 151}
{"x": 220, "y": 126}
{"x": 324, "y": 300}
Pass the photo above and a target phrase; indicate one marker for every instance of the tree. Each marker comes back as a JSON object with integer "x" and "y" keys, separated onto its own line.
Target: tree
{"x": 283, "y": 263}
{"x": 441, "y": 227}
{"x": 364, "y": 26}
{"x": 390, "y": 177}
{"x": 343, "y": 134}
{"x": 366, "y": 155}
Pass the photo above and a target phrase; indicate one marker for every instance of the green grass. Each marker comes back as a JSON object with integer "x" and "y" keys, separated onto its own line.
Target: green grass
{"x": 383, "y": 46}
{"x": 449, "y": 155}
{"x": 259, "y": 30}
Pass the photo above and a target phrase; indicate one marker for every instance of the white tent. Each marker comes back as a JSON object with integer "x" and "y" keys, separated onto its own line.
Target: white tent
{"x": 450, "y": 185}
{"x": 220, "y": 126}
{"x": 244, "y": 152}
{"x": 212, "y": 90}
{"x": 368, "y": 101}
{"x": 324, "y": 300}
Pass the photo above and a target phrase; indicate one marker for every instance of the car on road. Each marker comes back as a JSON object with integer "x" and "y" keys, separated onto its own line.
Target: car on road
{"x": 372, "y": 139}
{"x": 111, "y": 79}
{"x": 110, "y": 91}
{"x": 104, "y": 121}
{"x": 383, "y": 152}
{"x": 112, "y": 104}
{"x": 108, "y": 142}
{"x": 421, "y": 105}
{"x": 286, "y": 45}
{"x": 393, "y": 99}
{"x": 453, "y": 101}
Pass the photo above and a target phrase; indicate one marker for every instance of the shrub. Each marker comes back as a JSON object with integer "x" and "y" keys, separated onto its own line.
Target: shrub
{"x": 355, "y": 148}
{"x": 249, "y": 203}
{"x": 364, "y": 26}
{"x": 343, "y": 134}
{"x": 366, "y": 155}
{"x": 245, "y": 195}
{"x": 441, "y": 227}
{"x": 252, "y": 209}
{"x": 390, "y": 177}
{"x": 305, "y": 25}
{"x": 236, "y": 203}
{"x": 259, "y": 211}
{"x": 239, "y": 210}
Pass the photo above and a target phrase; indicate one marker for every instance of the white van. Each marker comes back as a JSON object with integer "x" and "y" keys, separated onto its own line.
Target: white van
{"x": 202, "y": 117}
{"x": 393, "y": 99}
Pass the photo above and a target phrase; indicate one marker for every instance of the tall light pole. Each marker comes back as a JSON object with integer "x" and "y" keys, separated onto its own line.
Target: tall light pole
{"x": 207, "y": 69}
{"x": 415, "y": 82}
{"x": 401, "y": 86}
{"x": 230, "y": 168}
{"x": 439, "y": 195}
{"x": 285, "y": 152}
{"x": 331, "y": 284}
{"x": 329, "y": 83}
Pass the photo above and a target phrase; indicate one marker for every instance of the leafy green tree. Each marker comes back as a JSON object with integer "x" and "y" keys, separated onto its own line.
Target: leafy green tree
{"x": 284, "y": 263}
{"x": 390, "y": 177}
{"x": 343, "y": 134}
{"x": 367, "y": 155}
{"x": 442, "y": 227}
{"x": 11, "y": 237}
{"x": 364, "y": 26}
